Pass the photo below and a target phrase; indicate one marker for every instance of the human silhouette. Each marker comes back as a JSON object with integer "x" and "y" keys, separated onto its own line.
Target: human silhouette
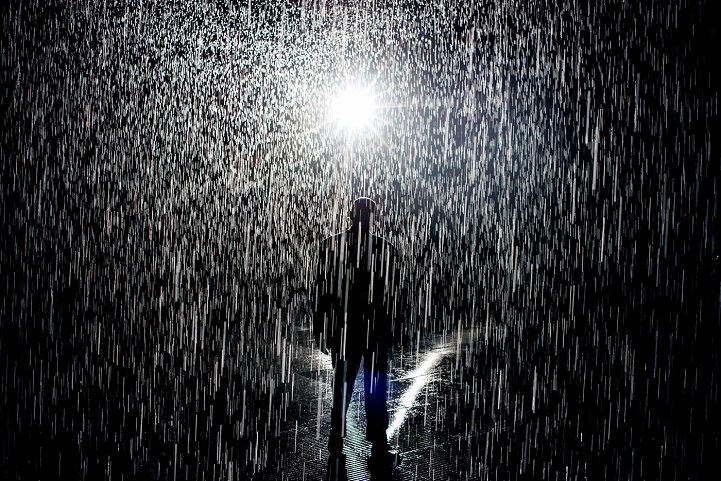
{"x": 355, "y": 300}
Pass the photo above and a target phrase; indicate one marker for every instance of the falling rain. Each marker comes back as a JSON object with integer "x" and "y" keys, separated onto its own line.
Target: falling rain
{"x": 547, "y": 170}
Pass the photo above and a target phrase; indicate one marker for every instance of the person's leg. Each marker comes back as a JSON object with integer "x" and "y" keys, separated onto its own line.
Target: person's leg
{"x": 376, "y": 378}
{"x": 346, "y": 371}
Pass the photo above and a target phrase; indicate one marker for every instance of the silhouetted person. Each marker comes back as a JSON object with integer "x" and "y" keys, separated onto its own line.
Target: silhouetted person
{"x": 355, "y": 300}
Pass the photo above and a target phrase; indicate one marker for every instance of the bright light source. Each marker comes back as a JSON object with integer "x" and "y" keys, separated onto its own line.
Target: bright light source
{"x": 353, "y": 109}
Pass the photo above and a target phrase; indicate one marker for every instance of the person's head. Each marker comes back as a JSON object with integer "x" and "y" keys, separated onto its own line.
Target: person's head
{"x": 362, "y": 214}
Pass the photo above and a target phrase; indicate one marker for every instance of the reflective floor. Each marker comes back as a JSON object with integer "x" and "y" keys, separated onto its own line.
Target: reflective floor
{"x": 444, "y": 417}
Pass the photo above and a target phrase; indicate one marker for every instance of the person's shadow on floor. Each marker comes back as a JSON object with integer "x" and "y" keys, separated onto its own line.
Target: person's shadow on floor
{"x": 383, "y": 473}
{"x": 337, "y": 471}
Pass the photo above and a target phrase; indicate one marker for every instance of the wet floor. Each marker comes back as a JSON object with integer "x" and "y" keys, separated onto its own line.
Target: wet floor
{"x": 449, "y": 417}
{"x": 430, "y": 438}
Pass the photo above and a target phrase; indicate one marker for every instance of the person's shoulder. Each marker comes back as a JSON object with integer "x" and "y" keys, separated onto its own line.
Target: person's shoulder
{"x": 333, "y": 237}
{"x": 382, "y": 241}
{"x": 330, "y": 240}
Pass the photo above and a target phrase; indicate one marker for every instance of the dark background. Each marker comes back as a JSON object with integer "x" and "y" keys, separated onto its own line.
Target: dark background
{"x": 166, "y": 168}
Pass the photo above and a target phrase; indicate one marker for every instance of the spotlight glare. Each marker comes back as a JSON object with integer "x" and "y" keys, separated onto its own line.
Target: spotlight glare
{"x": 353, "y": 109}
